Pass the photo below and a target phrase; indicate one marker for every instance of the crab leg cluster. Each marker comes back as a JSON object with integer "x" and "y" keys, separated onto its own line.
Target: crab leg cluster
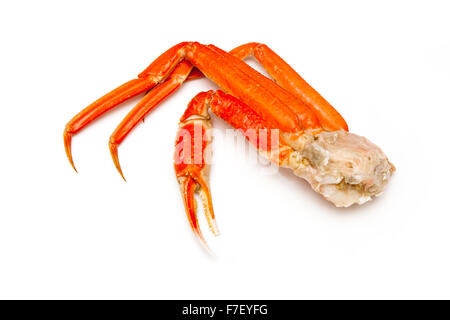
{"x": 249, "y": 100}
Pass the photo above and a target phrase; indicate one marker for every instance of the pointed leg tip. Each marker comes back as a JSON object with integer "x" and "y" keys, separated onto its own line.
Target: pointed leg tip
{"x": 213, "y": 225}
{"x": 72, "y": 164}
{"x": 121, "y": 174}
{"x": 202, "y": 241}
{"x": 188, "y": 186}
{"x": 115, "y": 156}
{"x": 208, "y": 207}
{"x": 68, "y": 148}
{"x": 216, "y": 230}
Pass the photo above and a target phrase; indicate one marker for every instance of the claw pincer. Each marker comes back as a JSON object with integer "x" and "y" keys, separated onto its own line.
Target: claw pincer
{"x": 191, "y": 163}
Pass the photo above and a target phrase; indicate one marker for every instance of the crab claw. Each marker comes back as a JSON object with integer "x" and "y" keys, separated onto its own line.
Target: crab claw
{"x": 191, "y": 167}
{"x": 189, "y": 186}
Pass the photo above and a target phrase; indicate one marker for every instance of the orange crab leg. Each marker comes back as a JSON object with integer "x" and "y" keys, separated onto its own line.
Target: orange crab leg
{"x": 191, "y": 165}
{"x": 150, "y": 101}
{"x": 239, "y": 79}
{"x": 306, "y": 117}
{"x": 188, "y": 186}
{"x": 150, "y": 77}
{"x": 259, "y": 131}
{"x": 288, "y": 78}
{"x": 105, "y": 103}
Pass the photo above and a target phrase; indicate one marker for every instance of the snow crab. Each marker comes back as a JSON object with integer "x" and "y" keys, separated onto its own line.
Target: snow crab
{"x": 312, "y": 138}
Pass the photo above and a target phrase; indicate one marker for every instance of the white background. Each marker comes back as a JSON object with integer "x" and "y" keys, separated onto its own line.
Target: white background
{"x": 385, "y": 66}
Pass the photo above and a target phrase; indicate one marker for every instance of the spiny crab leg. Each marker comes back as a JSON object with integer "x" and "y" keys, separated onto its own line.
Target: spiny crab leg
{"x": 191, "y": 165}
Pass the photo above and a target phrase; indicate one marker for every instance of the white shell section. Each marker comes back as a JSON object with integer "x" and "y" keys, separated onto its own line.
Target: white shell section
{"x": 344, "y": 167}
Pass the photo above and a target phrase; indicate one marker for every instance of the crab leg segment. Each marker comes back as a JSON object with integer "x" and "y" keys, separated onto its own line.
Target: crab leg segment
{"x": 193, "y": 139}
{"x": 262, "y": 133}
{"x": 305, "y": 117}
{"x": 239, "y": 79}
{"x": 289, "y": 79}
{"x": 191, "y": 165}
{"x": 285, "y": 76}
{"x": 105, "y": 103}
{"x": 150, "y": 77}
{"x": 150, "y": 101}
